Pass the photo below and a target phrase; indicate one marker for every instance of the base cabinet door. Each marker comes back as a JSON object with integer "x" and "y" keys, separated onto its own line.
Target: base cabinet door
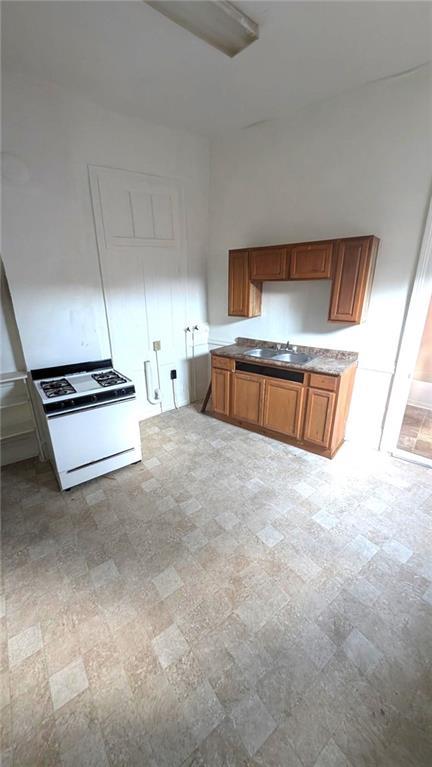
{"x": 319, "y": 417}
{"x": 246, "y": 397}
{"x": 283, "y": 407}
{"x": 221, "y": 391}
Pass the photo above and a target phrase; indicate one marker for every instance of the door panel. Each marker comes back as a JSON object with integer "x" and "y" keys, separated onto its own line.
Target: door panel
{"x": 319, "y": 417}
{"x": 283, "y": 407}
{"x": 140, "y": 234}
{"x": 311, "y": 262}
{"x": 246, "y": 397}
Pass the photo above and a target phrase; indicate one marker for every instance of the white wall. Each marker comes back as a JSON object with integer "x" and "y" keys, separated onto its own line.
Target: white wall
{"x": 356, "y": 165}
{"x": 50, "y": 136}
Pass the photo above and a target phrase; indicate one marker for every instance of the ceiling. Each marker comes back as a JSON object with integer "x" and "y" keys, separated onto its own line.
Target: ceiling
{"x": 128, "y": 57}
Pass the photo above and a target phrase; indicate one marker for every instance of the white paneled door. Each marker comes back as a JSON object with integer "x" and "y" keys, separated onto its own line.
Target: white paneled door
{"x": 139, "y": 222}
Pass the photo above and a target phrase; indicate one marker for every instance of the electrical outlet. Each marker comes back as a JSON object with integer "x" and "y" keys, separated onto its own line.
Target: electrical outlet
{"x": 173, "y": 374}
{"x": 156, "y": 346}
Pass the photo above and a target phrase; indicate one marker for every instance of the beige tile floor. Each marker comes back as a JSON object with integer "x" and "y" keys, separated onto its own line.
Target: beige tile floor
{"x": 416, "y": 431}
{"x": 231, "y": 601}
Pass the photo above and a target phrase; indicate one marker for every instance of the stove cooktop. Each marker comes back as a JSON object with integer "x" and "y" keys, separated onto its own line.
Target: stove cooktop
{"x": 74, "y": 386}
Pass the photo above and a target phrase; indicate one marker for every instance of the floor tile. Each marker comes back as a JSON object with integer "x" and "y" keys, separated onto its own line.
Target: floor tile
{"x": 24, "y": 644}
{"x": 253, "y": 723}
{"x": 427, "y": 596}
{"x": 98, "y": 496}
{"x": 68, "y": 683}
{"x": 170, "y": 645}
{"x": 326, "y": 520}
{"x": 361, "y": 651}
{"x": 167, "y": 582}
{"x": 227, "y": 520}
{"x": 195, "y": 540}
{"x": 332, "y": 756}
{"x": 397, "y": 551}
{"x": 270, "y": 536}
{"x": 203, "y": 711}
{"x": 104, "y": 573}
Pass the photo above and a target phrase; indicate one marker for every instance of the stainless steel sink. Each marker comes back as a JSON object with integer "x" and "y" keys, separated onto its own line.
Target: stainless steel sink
{"x": 264, "y": 354}
{"x": 299, "y": 357}
{"x": 274, "y": 354}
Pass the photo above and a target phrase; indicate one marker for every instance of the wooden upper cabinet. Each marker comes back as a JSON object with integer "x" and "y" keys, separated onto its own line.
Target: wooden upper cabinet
{"x": 246, "y": 397}
{"x": 221, "y": 391}
{"x": 352, "y": 278}
{"x": 311, "y": 261}
{"x": 268, "y": 264}
{"x": 320, "y": 408}
{"x": 283, "y": 407}
{"x": 349, "y": 263}
{"x": 244, "y": 297}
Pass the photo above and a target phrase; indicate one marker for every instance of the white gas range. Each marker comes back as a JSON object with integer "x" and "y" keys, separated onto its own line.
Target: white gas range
{"x": 91, "y": 417}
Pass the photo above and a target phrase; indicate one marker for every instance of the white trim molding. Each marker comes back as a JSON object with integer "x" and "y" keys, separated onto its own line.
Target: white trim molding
{"x": 410, "y": 343}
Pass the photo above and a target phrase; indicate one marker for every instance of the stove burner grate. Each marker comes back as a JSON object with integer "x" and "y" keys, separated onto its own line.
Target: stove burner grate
{"x": 57, "y": 388}
{"x": 108, "y": 378}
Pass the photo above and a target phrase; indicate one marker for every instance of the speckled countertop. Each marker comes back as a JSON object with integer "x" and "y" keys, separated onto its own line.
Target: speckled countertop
{"x": 330, "y": 361}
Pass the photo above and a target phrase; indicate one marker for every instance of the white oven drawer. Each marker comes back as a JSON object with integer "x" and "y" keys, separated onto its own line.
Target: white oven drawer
{"x": 88, "y": 435}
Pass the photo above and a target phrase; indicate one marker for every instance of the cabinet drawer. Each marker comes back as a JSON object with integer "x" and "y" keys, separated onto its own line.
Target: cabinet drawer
{"x": 223, "y": 363}
{"x": 323, "y": 382}
{"x": 268, "y": 264}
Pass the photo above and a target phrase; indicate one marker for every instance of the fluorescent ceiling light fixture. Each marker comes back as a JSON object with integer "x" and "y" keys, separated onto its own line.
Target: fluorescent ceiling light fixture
{"x": 217, "y": 22}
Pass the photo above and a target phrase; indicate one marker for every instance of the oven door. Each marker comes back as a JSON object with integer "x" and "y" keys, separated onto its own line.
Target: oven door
{"x": 85, "y": 436}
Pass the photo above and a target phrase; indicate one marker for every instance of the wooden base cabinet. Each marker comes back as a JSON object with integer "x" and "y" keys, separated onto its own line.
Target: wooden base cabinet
{"x": 221, "y": 384}
{"x": 320, "y": 408}
{"x": 310, "y": 413}
{"x": 283, "y": 407}
{"x": 246, "y": 397}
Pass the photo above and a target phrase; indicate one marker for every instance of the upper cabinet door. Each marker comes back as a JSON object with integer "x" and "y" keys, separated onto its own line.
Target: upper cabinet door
{"x": 353, "y": 272}
{"x": 311, "y": 262}
{"x": 268, "y": 264}
{"x": 244, "y": 298}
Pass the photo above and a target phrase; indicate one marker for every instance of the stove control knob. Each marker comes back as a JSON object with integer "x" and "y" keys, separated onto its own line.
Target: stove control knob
{"x": 62, "y": 404}
{"x": 71, "y": 402}
{"x": 94, "y": 398}
{"x": 123, "y": 391}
